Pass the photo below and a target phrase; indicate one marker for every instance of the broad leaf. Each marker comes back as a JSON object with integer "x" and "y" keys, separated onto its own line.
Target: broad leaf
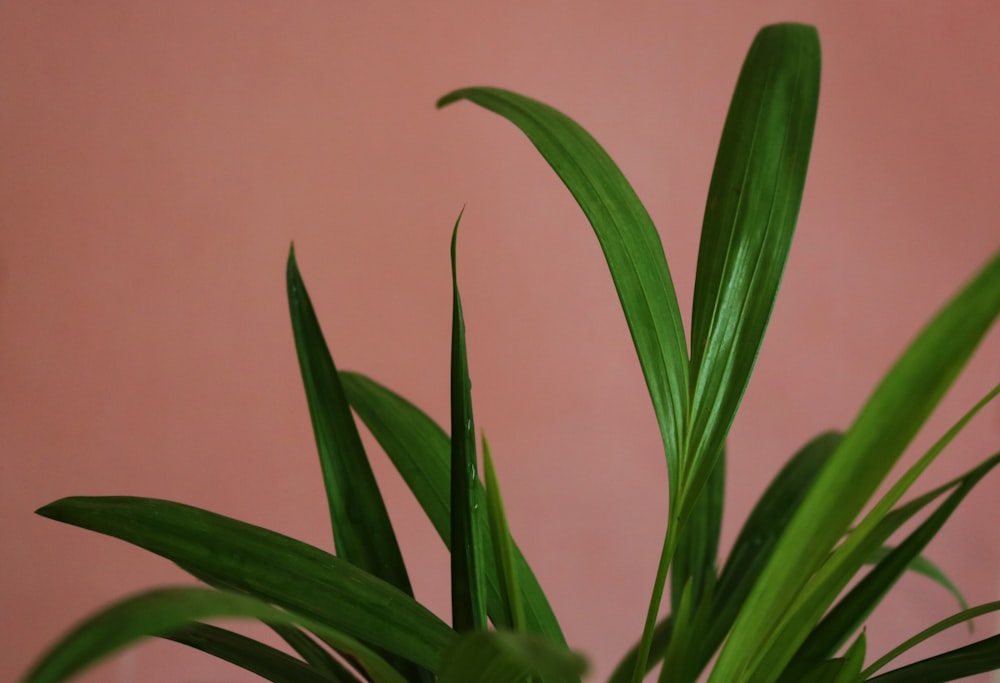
{"x": 272, "y": 567}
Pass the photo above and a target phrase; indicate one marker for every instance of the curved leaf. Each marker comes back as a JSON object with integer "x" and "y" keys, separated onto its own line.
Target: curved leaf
{"x": 272, "y": 567}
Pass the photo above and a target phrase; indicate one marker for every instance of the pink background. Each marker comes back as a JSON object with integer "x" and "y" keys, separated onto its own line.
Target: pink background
{"x": 156, "y": 160}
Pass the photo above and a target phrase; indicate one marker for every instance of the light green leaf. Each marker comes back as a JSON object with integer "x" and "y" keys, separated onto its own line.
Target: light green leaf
{"x": 503, "y": 550}
{"x": 246, "y": 653}
{"x": 884, "y": 427}
{"x": 506, "y": 657}
{"x": 162, "y": 611}
{"x": 468, "y": 606}
{"x": 420, "y": 450}
{"x": 272, "y": 567}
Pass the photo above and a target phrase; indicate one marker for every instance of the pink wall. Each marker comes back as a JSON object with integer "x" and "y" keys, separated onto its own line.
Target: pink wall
{"x": 158, "y": 158}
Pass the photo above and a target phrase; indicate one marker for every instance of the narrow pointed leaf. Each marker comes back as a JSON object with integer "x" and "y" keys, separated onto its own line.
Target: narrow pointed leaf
{"x": 468, "y": 605}
{"x": 272, "y": 567}
{"x": 420, "y": 451}
{"x": 162, "y": 611}
{"x": 505, "y": 657}
{"x": 957, "y": 664}
{"x": 317, "y": 656}
{"x": 660, "y": 643}
{"x": 265, "y": 661}
{"x": 698, "y": 546}
{"x": 503, "y": 549}
{"x": 884, "y": 427}
{"x": 923, "y": 566}
{"x": 753, "y": 203}
{"x": 631, "y": 246}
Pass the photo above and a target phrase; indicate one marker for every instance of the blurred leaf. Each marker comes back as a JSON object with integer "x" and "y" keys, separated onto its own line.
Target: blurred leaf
{"x": 420, "y": 450}
{"x": 267, "y": 662}
{"x": 662, "y": 636}
{"x": 750, "y": 214}
{"x": 977, "y": 654}
{"x": 468, "y": 606}
{"x": 162, "y": 611}
{"x": 503, "y": 550}
{"x": 318, "y": 657}
{"x": 506, "y": 657}
{"x": 882, "y": 430}
{"x": 921, "y": 565}
{"x": 275, "y": 568}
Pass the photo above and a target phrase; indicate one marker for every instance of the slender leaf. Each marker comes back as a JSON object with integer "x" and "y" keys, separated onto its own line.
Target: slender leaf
{"x": 851, "y": 611}
{"x": 317, "y": 656}
{"x": 468, "y": 605}
{"x": 277, "y": 569}
{"x": 362, "y": 531}
{"x": 886, "y": 424}
{"x": 698, "y": 545}
{"x": 662, "y": 637}
{"x": 960, "y": 617}
{"x": 420, "y": 450}
{"x": 163, "y": 611}
{"x": 970, "y": 660}
{"x": 246, "y": 653}
{"x": 503, "y": 550}
{"x": 921, "y": 565}
{"x": 631, "y": 246}
{"x": 750, "y": 214}
{"x": 506, "y": 657}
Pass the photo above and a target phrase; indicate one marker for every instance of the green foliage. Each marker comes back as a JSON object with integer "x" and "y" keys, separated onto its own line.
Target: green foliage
{"x": 778, "y": 610}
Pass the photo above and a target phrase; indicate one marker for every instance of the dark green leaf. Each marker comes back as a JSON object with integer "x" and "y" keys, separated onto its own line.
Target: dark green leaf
{"x": 921, "y": 565}
{"x": 163, "y": 611}
{"x": 317, "y": 656}
{"x": 420, "y": 450}
{"x": 267, "y": 662}
{"x": 503, "y": 549}
{"x": 468, "y": 606}
{"x": 698, "y": 546}
{"x": 505, "y": 657}
{"x": 753, "y": 203}
{"x": 966, "y": 661}
{"x": 275, "y": 568}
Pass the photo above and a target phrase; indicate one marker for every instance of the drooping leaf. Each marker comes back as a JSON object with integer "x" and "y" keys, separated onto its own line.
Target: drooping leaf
{"x": 246, "y": 653}
{"x": 953, "y": 665}
{"x": 420, "y": 450}
{"x": 923, "y": 566}
{"x": 468, "y": 605}
{"x": 506, "y": 657}
{"x": 977, "y": 654}
{"x": 750, "y": 214}
{"x": 272, "y": 567}
{"x": 885, "y": 425}
{"x": 503, "y": 549}
{"x": 163, "y": 611}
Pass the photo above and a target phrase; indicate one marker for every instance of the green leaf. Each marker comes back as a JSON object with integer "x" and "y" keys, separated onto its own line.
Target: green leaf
{"x": 420, "y": 451}
{"x": 886, "y": 424}
{"x": 662, "y": 637}
{"x": 275, "y": 568}
{"x": 750, "y": 214}
{"x": 988, "y": 649}
{"x": 631, "y": 246}
{"x": 468, "y": 606}
{"x": 506, "y": 657}
{"x": 318, "y": 657}
{"x": 851, "y": 611}
{"x": 698, "y": 545}
{"x": 970, "y": 660}
{"x": 162, "y": 611}
{"x": 503, "y": 550}
{"x": 921, "y": 565}
{"x": 362, "y": 531}
{"x": 246, "y": 653}
{"x": 846, "y": 669}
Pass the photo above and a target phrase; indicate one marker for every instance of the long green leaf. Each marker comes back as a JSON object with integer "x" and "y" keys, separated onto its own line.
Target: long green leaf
{"x": 162, "y": 611}
{"x": 966, "y": 661}
{"x": 698, "y": 545}
{"x": 317, "y": 656}
{"x": 420, "y": 450}
{"x": 275, "y": 568}
{"x": 503, "y": 548}
{"x": 750, "y": 214}
{"x": 886, "y": 424}
{"x": 362, "y": 531}
{"x": 505, "y": 657}
{"x": 631, "y": 246}
{"x": 468, "y": 605}
{"x": 246, "y": 653}
{"x": 923, "y": 566}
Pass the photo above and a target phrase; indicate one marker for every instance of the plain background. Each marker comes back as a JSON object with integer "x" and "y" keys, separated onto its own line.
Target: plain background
{"x": 157, "y": 159}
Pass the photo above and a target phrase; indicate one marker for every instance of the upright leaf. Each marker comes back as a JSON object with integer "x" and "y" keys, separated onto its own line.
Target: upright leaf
{"x": 272, "y": 567}
{"x": 421, "y": 452}
{"x": 362, "y": 531}
{"x": 503, "y": 548}
{"x": 753, "y": 202}
{"x": 505, "y": 657}
{"x": 468, "y": 607}
{"x": 698, "y": 545}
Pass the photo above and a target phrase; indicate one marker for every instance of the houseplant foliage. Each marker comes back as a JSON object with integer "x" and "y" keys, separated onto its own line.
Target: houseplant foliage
{"x": 777, "y": 610}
